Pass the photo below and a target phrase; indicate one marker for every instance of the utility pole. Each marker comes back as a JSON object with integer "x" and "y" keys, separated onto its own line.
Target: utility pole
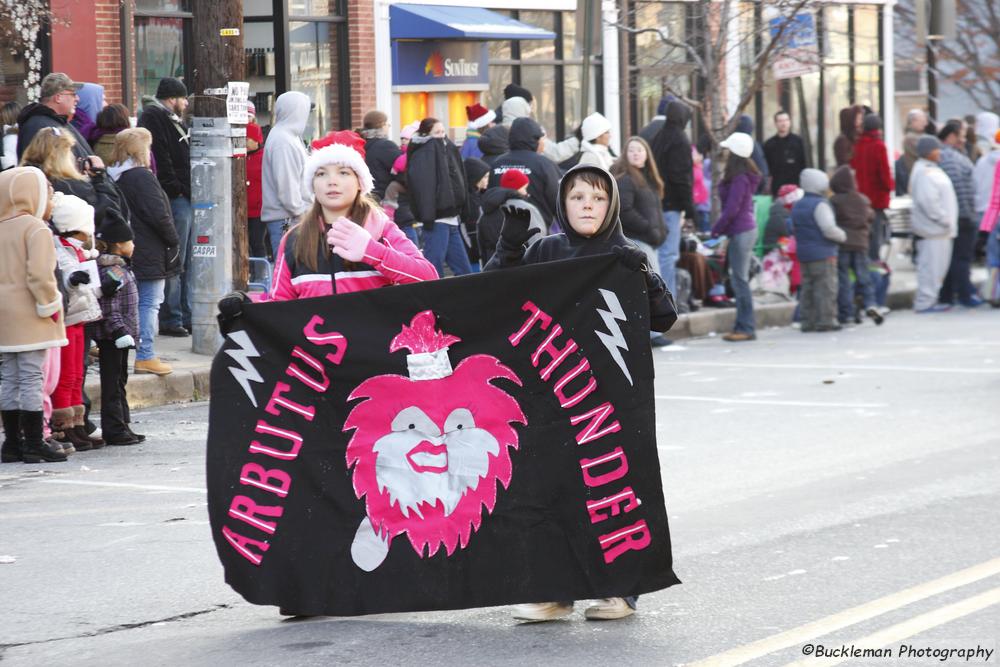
{"x": 218, "y": 166}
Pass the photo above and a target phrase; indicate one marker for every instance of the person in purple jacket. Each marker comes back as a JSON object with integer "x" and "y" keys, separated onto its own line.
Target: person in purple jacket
{"x": 91, "y": 102}
{"x": 739, "y": 183}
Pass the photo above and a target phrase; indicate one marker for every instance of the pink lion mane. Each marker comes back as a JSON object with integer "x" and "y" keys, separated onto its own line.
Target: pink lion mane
{"x": 469, "y": 386}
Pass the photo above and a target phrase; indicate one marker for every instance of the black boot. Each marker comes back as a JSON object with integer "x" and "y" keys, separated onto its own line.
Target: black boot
{"x": 36, "y": 450}
{"x": 12, "y": 443}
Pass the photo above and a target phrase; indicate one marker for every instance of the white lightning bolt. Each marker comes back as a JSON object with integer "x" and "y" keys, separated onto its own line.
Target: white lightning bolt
{"x": 246, "y": 373}
{"x": 614, "y": 341}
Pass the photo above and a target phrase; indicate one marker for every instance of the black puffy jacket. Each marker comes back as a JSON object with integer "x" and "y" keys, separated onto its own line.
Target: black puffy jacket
{"x": 156, "y": 253}
{"x": 494, "y": 142}
{"x": 34, "y": 117}
{"x": 171, "y": 148}
{"x": 100, "y": 192}
{"x": 380, "y": 153}
{"x": 641, "y": 216}
{"x": 672, "y": 151}
{"x": 435, "y": 179}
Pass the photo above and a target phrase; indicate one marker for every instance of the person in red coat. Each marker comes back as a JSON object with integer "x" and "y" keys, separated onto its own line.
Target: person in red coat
{"x": 871, "y": 171}
{"x": 256, "y": 230}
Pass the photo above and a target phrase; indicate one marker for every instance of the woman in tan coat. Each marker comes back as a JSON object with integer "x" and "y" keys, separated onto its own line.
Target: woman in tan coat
{"x": 31, "y": 306}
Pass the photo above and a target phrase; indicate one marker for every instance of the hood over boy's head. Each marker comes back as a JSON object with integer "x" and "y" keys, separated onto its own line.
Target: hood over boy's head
{"x": 587, "y": 178}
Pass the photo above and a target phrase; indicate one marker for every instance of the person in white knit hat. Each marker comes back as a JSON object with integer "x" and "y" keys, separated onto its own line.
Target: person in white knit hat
{"x": 344, "y": 242}
{"x": 596, "y": 130}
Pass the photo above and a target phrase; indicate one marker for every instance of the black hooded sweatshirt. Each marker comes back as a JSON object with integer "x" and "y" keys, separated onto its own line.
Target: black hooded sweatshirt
{"x": 672, "y": 151}
{"x": 494, "y": 142}
{"x": 34, "y": 117}
{"x": 569, "y": 244}
{"x": 435, "y": 179}
{"x": 543, "y": 174}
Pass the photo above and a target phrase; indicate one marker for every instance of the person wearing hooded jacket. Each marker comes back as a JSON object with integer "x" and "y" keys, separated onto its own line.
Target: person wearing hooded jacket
{"x": 588, "y": 210}
{"x": 594, "y": 150}
{"x": 526, "y": 137}
{"x": 655, "y": 124}
{"x": 285, "y": 195}
{"x": 934, "y": 219}
{"x": 851, "y": 123}
{"x": 672, "y": 151}
{"x": 493, "y": 143}
{"x": 873, "y": 176}
{"x": 32, "y": 321}
{"x": 380, "y": 151}
{"x": 91, "y": 101}
{"x": 477, "y": 175}
{"x": 436, "y": 185}
{"x": 854, "y": 214}
{"x": 509, "y": 91}
{"x": 514, "y": 108}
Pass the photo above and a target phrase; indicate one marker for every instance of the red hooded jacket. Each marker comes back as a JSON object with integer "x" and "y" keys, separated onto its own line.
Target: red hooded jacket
{"x": 871, "y": 169}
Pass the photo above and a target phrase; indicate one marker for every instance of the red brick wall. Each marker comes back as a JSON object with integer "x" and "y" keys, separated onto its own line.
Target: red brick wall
{"x": 86, "y": 43}
{"x": 361, "y": 45}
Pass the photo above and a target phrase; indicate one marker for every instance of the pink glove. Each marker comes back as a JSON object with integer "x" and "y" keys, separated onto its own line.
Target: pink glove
{"x": 348, "y": 240}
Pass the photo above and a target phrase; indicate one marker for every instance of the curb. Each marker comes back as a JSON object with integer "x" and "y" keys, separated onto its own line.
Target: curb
{"x": 185, "y": 386}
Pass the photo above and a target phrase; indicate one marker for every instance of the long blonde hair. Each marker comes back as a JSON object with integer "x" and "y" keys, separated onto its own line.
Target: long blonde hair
{"x": 311, "y": 235}
{"x": 133, "y": 143}
{"x": 51, "y": 150}
{"x": 648, "y": 176}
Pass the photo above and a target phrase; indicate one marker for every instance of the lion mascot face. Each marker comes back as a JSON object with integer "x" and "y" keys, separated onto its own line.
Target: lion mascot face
{"x": 429, "y": 450}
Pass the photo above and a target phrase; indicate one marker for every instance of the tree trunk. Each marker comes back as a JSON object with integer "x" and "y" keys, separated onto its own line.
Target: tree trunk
{"x": 219, "y": 60}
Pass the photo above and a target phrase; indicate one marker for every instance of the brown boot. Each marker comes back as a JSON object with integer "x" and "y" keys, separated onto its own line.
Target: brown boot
{"x": 81, "y": 431}
{"x": 63, "y": 421}
{"x": 152, "y": 366}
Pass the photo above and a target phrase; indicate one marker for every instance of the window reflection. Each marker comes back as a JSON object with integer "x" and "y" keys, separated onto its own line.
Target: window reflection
{"x": 313, "y": 59}
{"x": 159, "y": 51}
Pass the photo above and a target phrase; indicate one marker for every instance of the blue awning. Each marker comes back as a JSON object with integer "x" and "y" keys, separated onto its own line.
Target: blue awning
{"x": 446, "y": 22}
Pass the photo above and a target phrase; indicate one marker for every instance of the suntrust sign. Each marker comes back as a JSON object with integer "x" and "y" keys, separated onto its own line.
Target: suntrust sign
{"x": 440, "y": 65}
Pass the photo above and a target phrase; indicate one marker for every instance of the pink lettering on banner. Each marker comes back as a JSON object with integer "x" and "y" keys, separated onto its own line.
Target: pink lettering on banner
{"x": 593, "y": 430}
{"x": 278, "y": 400}
{"x": 243, "y": 545}
{"x": 584, "y": 392}
{"x": 333, "y": 338}
{"x": 634, "y": 538}
{"x": 291, "y": 436}
{"x": 248, "y": 511}
{"x": 537, "y": 316}
{"x": 617, "y": 455}
{"x": 554, "y": 353}
{"x": 320, "y": 383}
{"x": 271, "y": 480}
{"x": 605, "y": 508}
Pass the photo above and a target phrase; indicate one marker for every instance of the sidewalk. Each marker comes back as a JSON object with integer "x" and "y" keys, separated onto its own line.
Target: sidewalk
{"x": 190, "y": 379}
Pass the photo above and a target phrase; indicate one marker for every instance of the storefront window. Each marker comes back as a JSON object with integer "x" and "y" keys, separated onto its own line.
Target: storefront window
{"x": 866, "y": 85}
{"x": 539, "y": 80}
{"x": 838, "y": 45}
{"x": 571, "y": 49}
{"x": 657, "y": 67}
{"x": 572, "y": 97}
{"x": 257, "y": 7}
{"x": 836, "y": 88}
{"x": 500, "y": 76}
{"x": 499, "y": 50}
{"x": 159, "y": 51}
{"x": 538, "y": 49}
{"x": 258, "y": 42}
{"x": 313, "y": 53}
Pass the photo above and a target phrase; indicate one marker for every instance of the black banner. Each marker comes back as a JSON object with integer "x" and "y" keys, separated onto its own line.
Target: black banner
{"x": 467, "y": 442}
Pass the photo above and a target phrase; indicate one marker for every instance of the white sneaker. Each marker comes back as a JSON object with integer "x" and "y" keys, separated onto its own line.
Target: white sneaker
{"x": 609, "y": 609}
{"x": 542, "y": 611}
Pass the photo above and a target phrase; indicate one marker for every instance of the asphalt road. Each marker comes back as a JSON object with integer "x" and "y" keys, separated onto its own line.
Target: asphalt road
{"x": 824, "y": 489}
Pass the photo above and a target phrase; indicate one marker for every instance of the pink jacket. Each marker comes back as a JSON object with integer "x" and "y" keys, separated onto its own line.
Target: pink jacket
{"x": 993, "y": 210}
{"x": 390, "y": 259}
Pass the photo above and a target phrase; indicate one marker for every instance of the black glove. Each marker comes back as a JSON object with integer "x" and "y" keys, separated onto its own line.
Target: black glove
{"x": 631, "y": 257}
{"x": 516, "y": 230}
{"x": 79, "y": 278}
{"x": 110, "y": 285}
{"x": 230, "y": 308}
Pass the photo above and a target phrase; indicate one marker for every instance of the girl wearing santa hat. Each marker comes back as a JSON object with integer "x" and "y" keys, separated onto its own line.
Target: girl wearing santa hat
{"x": 345, "y": 242}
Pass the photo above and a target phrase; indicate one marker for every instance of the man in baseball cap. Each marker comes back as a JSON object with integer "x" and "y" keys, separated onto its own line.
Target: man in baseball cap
{"x": 55, "y": 108}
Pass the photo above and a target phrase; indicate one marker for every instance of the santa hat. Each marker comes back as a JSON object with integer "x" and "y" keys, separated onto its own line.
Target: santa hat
{"x": 515, "y": 179}
{"x": 788, "y": 194}
{"x": 479, "y": 116}
{"x": 428, "y": 358}
{"x": 345, "y": 148}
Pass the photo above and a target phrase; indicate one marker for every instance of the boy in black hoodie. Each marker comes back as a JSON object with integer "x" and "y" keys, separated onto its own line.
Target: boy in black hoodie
{"x": 587, "y": 212}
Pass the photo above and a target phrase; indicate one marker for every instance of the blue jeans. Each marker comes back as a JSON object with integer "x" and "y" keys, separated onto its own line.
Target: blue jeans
{"x": 275, "y": 230}
{"x": 670, "y": 250}
{"x": 958, "y": 282}
{"x": 444, "y": 243}
{"x": 176, "y": 310}
{"x": 150, "y": 298}
{"x": 411, "y": 233}
{"x": 738, "y": 255}
{"x": 848, "y": 261}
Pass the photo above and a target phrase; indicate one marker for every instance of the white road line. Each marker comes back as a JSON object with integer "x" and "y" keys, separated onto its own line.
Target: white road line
{"x": 759, "y": 401}
{"x": 123, "y": 485}
{"x": 824, "y": 626}
{"x": 838, "y": 367}
{"x": 910, "y": 627}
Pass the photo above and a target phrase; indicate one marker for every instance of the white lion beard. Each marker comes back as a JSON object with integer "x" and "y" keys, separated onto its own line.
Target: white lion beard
{"x": 468, "y": 463}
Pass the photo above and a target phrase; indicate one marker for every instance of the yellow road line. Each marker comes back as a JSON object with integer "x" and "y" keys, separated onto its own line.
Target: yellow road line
{"x": 913, "y": 626}
{"x": 803, "y": 633}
